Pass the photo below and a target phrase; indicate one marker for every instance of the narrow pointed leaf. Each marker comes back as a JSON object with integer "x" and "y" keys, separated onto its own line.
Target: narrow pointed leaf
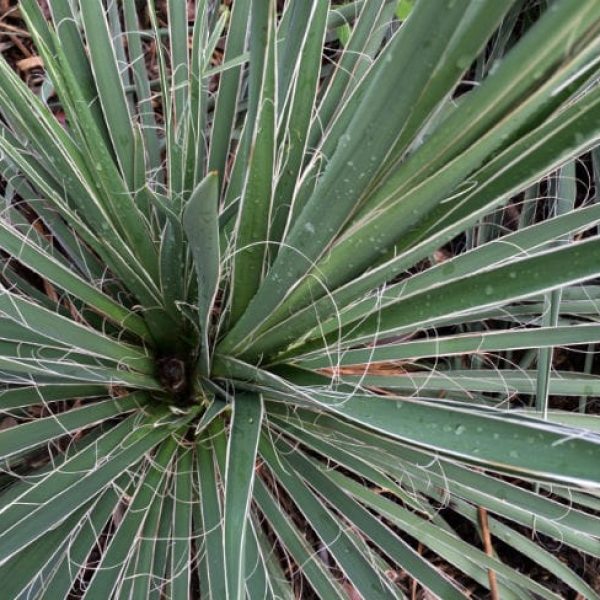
{"x": 239, "y": 479}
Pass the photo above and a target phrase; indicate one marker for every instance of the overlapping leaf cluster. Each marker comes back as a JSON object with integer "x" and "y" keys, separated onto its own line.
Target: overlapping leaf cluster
{"x": 232, "y": 364}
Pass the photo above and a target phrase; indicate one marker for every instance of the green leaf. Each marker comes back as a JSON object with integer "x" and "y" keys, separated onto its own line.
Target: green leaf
{"x": 34, "y": 257}
{"x": 461, "y": 432}
{"x": 181, "y": 551}
{"x": 299, "y": 99}
{"x": 140, "y": 511}
{"x": 446, "y": 544}
{"x": 200, "y": 221}
{"x": 21, "y": 397}
{"x": 109, "y": 84}
{"x": 574, "y": 527}
{"x": 410, "y": 195}
{"x": 392, "y": 545}
{"x": 252, "y": 227}
{"x": 488, "y": 341}
{"x": 519, "y": 244}
{"x": 142, "y": 85}
{"x": 500, "y": 285}
{"x": 34, "y": 433}
{"x": 210, "y": 526}
{"x": 364, "y": 42}
{"x": 357, "y": 567}
{"x": 225, "y": 107}
{"x": 358, "y": 464}
{"x": 203, "y": 48}
{"x": 502, "y": 381}
{"x": 80, "y": 546}
{"x": 363, "y": 141}
{"x": 67, "y": 332}
{"x": 239, "y": 479}
{"x": 64, "y": 490}
{"x": 21, "y": 572}
{"x": 319, "y": 578}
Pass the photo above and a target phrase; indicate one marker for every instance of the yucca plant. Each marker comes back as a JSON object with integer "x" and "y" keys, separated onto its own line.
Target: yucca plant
{"x": 278, "y": 311}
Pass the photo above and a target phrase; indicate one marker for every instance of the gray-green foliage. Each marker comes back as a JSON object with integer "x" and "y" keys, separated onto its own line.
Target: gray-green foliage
{"x": 232, "y": 364}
